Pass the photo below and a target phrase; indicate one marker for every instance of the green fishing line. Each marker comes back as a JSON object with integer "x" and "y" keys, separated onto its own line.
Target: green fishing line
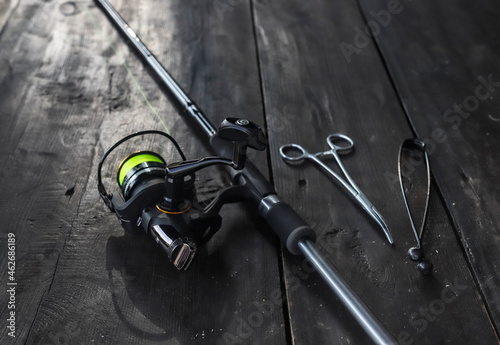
{"x": 127, "y": 68}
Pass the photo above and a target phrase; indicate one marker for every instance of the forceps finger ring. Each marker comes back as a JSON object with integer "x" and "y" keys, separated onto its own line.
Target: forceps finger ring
{"x": 301, "y": 153}
{"x": 333, "y": 142}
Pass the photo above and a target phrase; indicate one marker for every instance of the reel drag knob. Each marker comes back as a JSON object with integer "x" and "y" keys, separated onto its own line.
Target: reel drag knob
{"x": 243, "y": 133}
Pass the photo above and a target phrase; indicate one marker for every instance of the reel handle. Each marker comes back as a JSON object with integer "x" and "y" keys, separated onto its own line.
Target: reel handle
{"x": 241, "y": 132}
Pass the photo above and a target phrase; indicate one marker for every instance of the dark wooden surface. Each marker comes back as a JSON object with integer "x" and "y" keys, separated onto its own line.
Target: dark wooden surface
{"x": 447, "y": 76}
{"x": 70, "y": 88}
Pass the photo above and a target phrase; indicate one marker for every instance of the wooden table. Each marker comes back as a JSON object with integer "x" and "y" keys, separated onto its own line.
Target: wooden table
{"x": 70, "y": 88}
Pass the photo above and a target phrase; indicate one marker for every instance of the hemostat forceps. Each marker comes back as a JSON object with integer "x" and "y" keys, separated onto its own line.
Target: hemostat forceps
{"x": 302, "y": 154}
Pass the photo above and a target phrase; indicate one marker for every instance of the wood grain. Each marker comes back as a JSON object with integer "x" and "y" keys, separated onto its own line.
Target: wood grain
{"x": 70, "y": 88}
{"x": 311, "y": 90}
{"x": 443, "y": 58}
{"x": 67, "y": 98}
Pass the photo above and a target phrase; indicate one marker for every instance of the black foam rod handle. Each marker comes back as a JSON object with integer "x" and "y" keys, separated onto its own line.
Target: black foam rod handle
{"x": 286, "y": 223}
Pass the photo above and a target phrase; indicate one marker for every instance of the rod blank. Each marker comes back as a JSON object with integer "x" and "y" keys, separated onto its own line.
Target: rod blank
{"x": 183, "y": 102}
{"x": 372, "y": 326}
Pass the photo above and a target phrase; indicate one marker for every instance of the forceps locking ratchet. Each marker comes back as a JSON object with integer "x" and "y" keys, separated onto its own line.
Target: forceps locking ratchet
{"x": 352, "y": 188}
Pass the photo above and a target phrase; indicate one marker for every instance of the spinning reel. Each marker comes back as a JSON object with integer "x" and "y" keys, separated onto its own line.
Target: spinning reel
{"x": 160, "y": 198}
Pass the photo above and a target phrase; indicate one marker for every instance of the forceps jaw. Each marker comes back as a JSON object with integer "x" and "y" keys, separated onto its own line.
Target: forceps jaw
{"x": 374, "y": 213}
{"x": 378, "y": 218}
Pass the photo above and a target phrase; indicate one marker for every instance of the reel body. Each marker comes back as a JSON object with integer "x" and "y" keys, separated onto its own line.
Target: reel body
{"x": 159, "y": 199}
{"x": 141, "y": 177}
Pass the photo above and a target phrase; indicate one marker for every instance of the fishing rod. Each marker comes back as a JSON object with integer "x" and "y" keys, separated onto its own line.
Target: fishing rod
{"x": 160, "y": 198}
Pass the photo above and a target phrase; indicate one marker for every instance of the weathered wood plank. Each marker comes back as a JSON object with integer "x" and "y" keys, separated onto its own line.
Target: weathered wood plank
{"x": 66, "y": 98}
{"x": 6, "y": 11}
{"x": 43, "y": 151}
{"x": 443, "y": 58}
{"x": 310, "y": 91}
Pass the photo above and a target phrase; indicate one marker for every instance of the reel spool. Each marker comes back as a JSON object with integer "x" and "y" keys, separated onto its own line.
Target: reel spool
{"x": 138, "y": 168}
